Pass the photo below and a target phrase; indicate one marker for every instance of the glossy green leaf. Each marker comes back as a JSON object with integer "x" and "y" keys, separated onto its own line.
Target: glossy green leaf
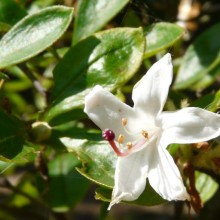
{"x": 97, "y": 158}
{"x": 206, "y": 186}
{"x": 98, "y": 165}
{"x": 109, "y": 58}
{"x": 33, "y": 34}
{"x": 160, "y": 36}
{"x": 11, "y": 136}
{"x": 91, "y": 16}
{"x": 201, "y": 62}
{"x": 148, "y": 198}
{"x": 11, "y": 12}
{"x": 66, "y": 187}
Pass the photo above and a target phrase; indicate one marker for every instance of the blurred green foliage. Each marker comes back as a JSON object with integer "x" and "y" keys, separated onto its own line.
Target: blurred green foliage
{"x": 51, "y": 55}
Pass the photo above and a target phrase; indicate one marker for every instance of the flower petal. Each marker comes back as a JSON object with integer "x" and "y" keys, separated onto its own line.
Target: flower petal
{"x": 105, "y": 110}
{"x": 150, "y": 93}
{"x": 165, "y": 177}
{"x": 189, "y": 125}
{"x": 130, "y": 176}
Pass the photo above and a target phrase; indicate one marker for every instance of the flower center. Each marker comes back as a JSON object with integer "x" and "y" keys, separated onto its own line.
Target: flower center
{"x": 121, "y": 151}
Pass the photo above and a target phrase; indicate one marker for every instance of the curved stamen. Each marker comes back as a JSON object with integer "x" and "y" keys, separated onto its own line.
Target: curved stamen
{"x": 109, "y": 136}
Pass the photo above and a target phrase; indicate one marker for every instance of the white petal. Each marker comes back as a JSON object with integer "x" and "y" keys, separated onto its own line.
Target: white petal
{"x": 130, "y": 176}
{"x": 189, "y": 125}
{"x": 150, "y": 93}
{"x": 105, "y": 110}
{"x": 165, "y": 177}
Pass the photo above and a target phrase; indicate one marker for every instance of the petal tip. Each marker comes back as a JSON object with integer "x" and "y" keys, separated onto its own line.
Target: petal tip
{"x": 167, "y": 58}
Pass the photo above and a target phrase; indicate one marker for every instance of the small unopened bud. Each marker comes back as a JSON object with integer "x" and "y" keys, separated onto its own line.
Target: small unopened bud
{"x": 40, "y": 131}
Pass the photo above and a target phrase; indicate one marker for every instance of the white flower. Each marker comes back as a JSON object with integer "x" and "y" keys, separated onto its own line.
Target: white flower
{"x": 144, "y": 132}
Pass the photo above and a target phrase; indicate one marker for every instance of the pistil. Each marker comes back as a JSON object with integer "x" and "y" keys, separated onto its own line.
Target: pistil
{"x": 109, "y": 136}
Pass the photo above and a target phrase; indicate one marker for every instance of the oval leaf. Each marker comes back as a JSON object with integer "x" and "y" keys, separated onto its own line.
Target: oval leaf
{"x": 97, "y": 158}
{"x": 160, "y": 36}
{"x": 33, "y": 34}
{"x": 93, "y": 15}
{"x": 109, "y": 58}
{"x": 201, "y": 60}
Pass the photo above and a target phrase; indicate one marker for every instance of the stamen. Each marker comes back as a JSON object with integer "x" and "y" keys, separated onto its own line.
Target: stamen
{"x": 129, "y": 145}
{"x": 121, "y": 139}
{"x": 145, "y": 134}
{"x": 124, "y": 121}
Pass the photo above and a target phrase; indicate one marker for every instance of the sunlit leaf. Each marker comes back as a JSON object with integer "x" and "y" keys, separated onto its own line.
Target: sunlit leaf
{"x": 91, "y": 16}
{"x": 160, "y": 36}
{"x": 109, "y": 58}
{"x": 206, "y": 186}
{"x": 201, "y": 62}
{"x": 33, "y": 34}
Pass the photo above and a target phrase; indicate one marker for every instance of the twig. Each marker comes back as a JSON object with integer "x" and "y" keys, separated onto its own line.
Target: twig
{"x": 34, "y": 80}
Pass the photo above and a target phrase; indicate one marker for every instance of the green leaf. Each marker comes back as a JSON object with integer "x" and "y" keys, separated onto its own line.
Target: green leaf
{"x": 215, "y": 104}
{"x": 33, "y": 34}
{"x": 4, "y": 165}
{"x": 148, "y": 198}
{"x": 91, "y": 16}
{"x": 109, "y": 58}
{"x": 27, "y": 154}
{"x": 210, "y": 77}
{"x": 97, "y": 158}
{"x": 66, "y": 187}
{"x": 210, "y": 102}
{"x": 3, "y": 76}
{"x": 11, "y": 136}
{"x": 98, "y": 165}
{"x": 161, "y": 36}
{"x": 11, "y": 12}
{"x": 206, "y": 186}
{"x": 201, "y": 61}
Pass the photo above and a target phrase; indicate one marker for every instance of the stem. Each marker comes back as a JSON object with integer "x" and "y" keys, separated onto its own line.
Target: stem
{"x": 34, "y": 80}
{"x": 54, "y": 52}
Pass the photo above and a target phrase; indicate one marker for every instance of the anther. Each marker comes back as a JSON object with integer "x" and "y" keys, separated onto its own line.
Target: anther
{"x": 145, "y": 134}
{"x": 108, "y": 135}
{"x": 121, "y": 139}
{"x": 124, "y": 121}
{"x": 129, "y": 145}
